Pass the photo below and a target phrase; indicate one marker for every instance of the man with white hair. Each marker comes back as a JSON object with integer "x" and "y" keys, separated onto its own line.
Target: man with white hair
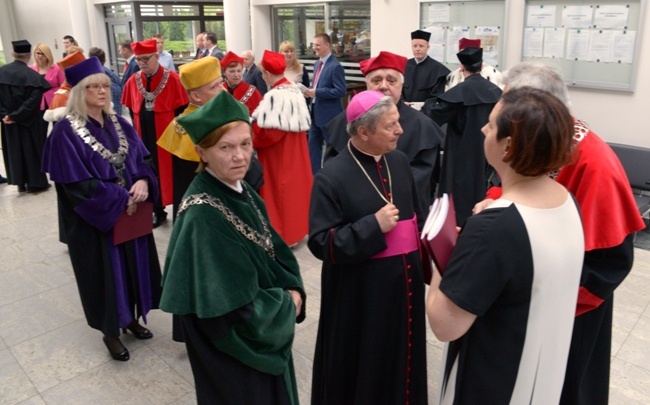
{"x": 610, "y": 219}
{"x": 422, "y": 137}
{"x": 154, "y": 96}
{"x": 363, "y": 224}
{"x": 251, "y": 73}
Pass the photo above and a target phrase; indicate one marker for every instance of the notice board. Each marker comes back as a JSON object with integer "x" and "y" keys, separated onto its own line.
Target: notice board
{"x": 596, "y": 45}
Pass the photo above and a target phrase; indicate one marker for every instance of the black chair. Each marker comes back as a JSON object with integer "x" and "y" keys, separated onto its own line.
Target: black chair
{"x": 636, "y": 162}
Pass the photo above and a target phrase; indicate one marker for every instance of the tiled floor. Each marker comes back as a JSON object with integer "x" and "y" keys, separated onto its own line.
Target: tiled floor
{"x": 48, "y": 355}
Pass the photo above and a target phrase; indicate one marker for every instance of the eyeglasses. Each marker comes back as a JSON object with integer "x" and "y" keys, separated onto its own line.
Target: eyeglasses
{"x": 96, "y": 86}
{"x": 144, "y": 59}
{"x": 40, "y": 54}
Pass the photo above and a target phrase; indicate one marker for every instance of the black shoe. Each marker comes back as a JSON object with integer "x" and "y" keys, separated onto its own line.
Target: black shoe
{"x": 158, "y": 219}
{"x": 31, "y": 189}
{"x": 121, "y": 356}
{"x": 22, "y": 189}
{"x": 3, "y": 180}
{"x": 139, "y": 331}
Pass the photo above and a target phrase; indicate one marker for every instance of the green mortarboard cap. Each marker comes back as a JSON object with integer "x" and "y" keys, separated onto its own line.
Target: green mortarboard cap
{"x": 219, "y": 111}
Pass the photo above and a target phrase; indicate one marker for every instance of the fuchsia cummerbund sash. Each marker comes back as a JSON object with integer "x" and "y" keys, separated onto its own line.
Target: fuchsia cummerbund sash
{"x": 402, "y": 239}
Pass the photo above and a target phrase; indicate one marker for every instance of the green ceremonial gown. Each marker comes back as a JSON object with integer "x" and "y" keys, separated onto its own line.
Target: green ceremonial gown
{"x": 237, "y": 315}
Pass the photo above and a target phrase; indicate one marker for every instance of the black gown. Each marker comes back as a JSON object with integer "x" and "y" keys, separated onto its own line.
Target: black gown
{"x": 21, "y": 90}
{"x": 465, "y": 109}
{"x": 424, "y": 80}
{"x": 420, "y": 142}
{"x": 371, "y": 346}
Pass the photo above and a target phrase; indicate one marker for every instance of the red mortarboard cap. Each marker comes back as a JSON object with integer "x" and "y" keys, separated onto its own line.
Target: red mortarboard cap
{"x": 75, "y": 74}
{"x": 145, "y": 47}
{"x": 385, "y": 60}
{"x": 274, "y": 62}
{"x": 361, "y": 103}
{"x": 231, "y": 57}
{"x": 465, "y": 42}
{"x": 419, "y": 34}
{"x": 71, "y": 60}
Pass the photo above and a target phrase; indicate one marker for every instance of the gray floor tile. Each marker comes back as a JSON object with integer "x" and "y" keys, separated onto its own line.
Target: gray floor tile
{"x": 629, "y": 385}
{"x": 14, "y": 383}
{"x": 636, "y": 349}
{"x": 145, "y": 379}
{"x": 30, "y": 280}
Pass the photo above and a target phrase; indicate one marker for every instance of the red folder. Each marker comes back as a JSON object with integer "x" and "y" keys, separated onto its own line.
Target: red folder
{"x": 130, "y": 227}
{"x": 439, "y": 234}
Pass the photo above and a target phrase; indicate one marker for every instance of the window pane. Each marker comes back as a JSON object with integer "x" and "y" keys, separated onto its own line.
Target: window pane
{"x": 118, "y": 11}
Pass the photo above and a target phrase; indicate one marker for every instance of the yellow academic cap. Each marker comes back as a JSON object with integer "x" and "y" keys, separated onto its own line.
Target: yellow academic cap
{"x": 199, "y": 72}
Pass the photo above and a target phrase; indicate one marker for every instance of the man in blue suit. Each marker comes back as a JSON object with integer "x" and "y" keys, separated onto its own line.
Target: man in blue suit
{"x": 131, "y": 66}
{"x": 327, "y": 88}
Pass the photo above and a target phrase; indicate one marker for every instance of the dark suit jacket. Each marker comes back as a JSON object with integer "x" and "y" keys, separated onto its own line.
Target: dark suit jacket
{"x": 254, "y": 76}
{"x": 131, "y": 68}
{"x": 330, "y": 88}
{"x": 217, "y": 53}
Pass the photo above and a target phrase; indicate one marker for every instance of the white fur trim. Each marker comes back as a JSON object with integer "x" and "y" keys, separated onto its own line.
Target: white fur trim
{"x": 54, "y": 115}
{"x": 284, "y": 108}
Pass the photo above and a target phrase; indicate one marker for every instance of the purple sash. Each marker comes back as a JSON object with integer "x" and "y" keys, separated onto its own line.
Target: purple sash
{"x": 402, "y": 239}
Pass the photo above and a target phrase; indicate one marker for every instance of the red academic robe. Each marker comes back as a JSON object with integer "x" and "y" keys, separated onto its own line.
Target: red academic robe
{"x": 246, "y": 94}
{"x": 285, "y": 158}
{"x": 171, "y": 98}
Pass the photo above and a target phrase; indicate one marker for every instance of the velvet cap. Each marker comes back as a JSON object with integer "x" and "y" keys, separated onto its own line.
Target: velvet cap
{"x": 465, "y": 42}
{"x": 385, "y": 60}
{"x": 199, "y": 72}
{"x": 419, "y": 34}
{"x": 71, "y": 60}
{"x": 21, "y": 46}
{"x": 75, "y": 74}
{"x": 470, "y": 55}
{"x": 274, "y": 62}
{"x": 219, "y": 111}
{"x": 144, "y": 47}
{"x": 361, "y": 103}
{"x": 231, "y": 57}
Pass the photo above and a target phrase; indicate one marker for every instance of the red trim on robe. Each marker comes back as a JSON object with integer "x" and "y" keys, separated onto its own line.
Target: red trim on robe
{"x": 587, "y": 301}
{"x": 171, "y": 98}
{"x": 239, "y": 93}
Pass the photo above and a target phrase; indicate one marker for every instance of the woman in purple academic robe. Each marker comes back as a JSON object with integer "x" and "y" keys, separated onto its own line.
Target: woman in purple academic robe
{"x": 101, "y": 171}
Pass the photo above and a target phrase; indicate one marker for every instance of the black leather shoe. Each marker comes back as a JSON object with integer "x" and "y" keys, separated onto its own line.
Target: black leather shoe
{"x": 158, "y": 219}
{"x": 3, "y": 180}
{"x": 121, "y": 356}
{"x": 139, "y": 331}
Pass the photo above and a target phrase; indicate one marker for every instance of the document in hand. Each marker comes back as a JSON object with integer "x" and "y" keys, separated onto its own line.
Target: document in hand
{"x": 129, "y": 227}
{"x": 439, "y": 233}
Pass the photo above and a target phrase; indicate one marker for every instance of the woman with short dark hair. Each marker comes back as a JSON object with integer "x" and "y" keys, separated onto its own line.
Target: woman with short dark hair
{"x": 507, "y": 299}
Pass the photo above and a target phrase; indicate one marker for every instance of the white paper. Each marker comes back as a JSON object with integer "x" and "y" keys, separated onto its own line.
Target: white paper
{"x": 554, "y": 42}
{"x": 454, "y": 34}
{"x": 437, "y": 35}
{"x": 600, "y": 46}
{"x": 577, "y": 45}
{"x": 623, "y": 46}
{"x": 533, "y": 42}
{"x": 437, "y": 52}
{"x": 439, "y": 12}
{"x": 489, "y": 37}
{"x": 611, "y": 16}
{"x": 576, "y": 16}
{"x": 541, "y": 16}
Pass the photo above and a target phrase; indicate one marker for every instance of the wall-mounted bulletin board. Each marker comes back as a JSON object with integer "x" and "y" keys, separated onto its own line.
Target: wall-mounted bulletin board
{"x": 449, "y": 21}
{"x": 596, "y": 45}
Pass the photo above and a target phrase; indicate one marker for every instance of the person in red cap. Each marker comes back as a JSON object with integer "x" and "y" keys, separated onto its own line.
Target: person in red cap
{"x": 424, "y": 77}
{"x": 280, "y": 127}
{"x": 232, "y": 67}
{"x": 154, "y": 96}
{"x": 489, "y": 72}
{"x": 364, "y": 221}
{"x": 421, "y": 139}
{"x": 465, "y": 108}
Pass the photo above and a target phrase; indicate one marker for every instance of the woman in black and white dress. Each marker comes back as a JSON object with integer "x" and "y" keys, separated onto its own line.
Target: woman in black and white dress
{"x": 507, "y": 299}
